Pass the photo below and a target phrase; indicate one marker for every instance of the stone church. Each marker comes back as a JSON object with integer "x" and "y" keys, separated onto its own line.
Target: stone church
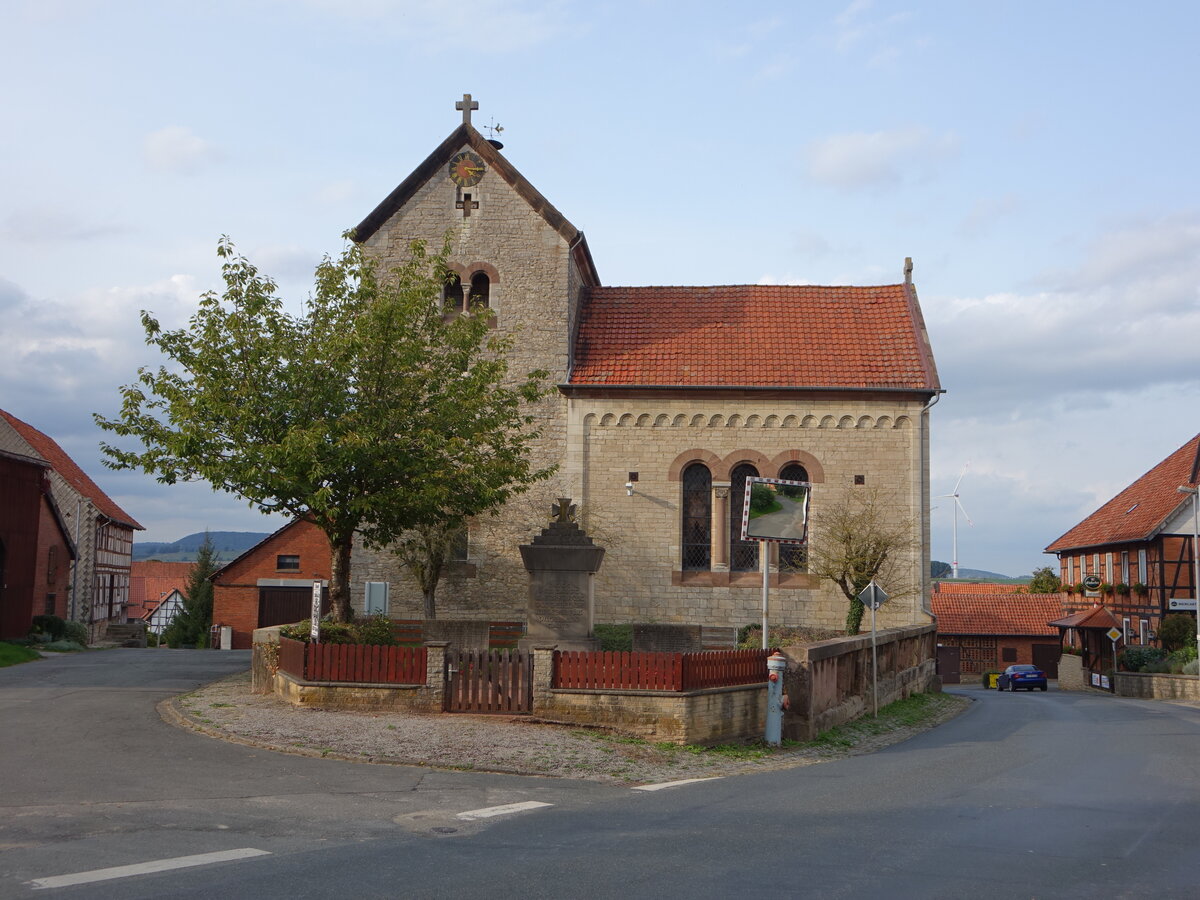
{"x": 667, "y": 399}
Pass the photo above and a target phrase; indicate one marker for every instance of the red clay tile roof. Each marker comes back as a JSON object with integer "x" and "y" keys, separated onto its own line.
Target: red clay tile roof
{"x": 152, "y": 581}
{"x": 1096, "y": 617}
{"x": 49, "y": 450}
{"x": 1014, "y": 614}
{"x": 976, "y": 587}
{"x": 1139, "y": 511}
{"x": 754, "y": 336}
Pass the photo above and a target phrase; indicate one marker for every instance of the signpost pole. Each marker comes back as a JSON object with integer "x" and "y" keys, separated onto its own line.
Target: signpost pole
{"x": 874, "y": 653}
{"x": 315, "y": 633}
{"x": 764, "y": 559}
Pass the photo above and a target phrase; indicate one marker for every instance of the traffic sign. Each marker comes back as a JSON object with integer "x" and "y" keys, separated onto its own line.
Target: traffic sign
{"x": 873, "y": 596}
{"x": 1114, "y": 634}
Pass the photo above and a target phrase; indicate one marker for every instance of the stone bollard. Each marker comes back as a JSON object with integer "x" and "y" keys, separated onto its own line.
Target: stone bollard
{"x": 543, "y": 676}
{"x": 435, "y": 675}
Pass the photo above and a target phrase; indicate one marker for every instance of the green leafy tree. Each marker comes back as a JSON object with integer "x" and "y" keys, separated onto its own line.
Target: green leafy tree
{"x": 855, "y": 543}
{"x": 372, "y": 412}
{"x": 191, "y": 624}
{"x": 1044, "y": 581}
{"x": 1177, "y": 630}
{"x": 939, "y": 569}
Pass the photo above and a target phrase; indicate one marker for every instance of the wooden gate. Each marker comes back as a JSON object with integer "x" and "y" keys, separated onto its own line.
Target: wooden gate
{"x": 489, "y": 681}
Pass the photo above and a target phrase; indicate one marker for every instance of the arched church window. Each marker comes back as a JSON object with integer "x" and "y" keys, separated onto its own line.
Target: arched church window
{"x": 793, "y": 558}
{"x": 743, "y": 555}
{"x": 480, "y": 289}
{"x": 697, "y": 517}
{"x": 452, "y": 293}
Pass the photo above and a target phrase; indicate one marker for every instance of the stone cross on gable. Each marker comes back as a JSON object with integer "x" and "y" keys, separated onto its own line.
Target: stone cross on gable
{"x": 466, "y": 204}
{"x": 466, "y": 104}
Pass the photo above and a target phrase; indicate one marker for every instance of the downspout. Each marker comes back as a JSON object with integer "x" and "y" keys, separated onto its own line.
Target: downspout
{"x": 926, "y": 529}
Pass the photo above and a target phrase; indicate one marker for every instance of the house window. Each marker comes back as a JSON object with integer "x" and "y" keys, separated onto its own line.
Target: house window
{"x": 376, "y": 598}
{"x": 743, "y": 555}
{"x": 793, "y": 558}
{"x": 1125, "y": 566}
{"x": 1108, "y": 567}
{"x": 286, "y": 563}
{"x": 480, "y": 290}
{"x": 51, "y": 564}
{"x": 1142, "y": 631}
{"x": 696, "y": 541}
{"x": 452, "y": 294}
{"x": 1008, "y": 654}
{"x": 1142, "y": 566}
{"x": 1125, "y": 629}
{"x": 50, "y": 603}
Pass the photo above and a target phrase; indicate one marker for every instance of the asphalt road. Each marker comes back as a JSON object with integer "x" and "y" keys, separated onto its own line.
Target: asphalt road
{"x": 1025, "y": 795}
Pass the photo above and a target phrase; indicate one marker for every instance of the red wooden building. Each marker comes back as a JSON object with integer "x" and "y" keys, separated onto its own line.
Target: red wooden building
{"x": 1139, "y": 545}
{"x": 35, "y": 546}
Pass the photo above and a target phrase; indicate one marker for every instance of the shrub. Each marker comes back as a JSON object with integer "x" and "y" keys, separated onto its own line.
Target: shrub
{"x": 76, "y": 632}
{"x": 63, "y": 646}
{"x": 1071, "y": 650}
{"x": 375, "y": 630}
{"x": 1177, "y": 630}
{"x": 1080, "y": 589}
{"x": 1105, "y": 587}
{"x": 1179, "y": 659}
{"x": 151, "y": 639}
{"x": 1136, "y": 658}
{"x": 1140, "y": 589}
{"x": 1192, "y": 668}
{"x": 617, "y": 638}
{"x": 52, "y": 626}
{"x": 1123, "y": 589}
{"x": 1158, "y": 667}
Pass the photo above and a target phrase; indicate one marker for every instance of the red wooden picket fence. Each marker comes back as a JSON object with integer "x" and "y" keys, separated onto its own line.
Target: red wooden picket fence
{"x": 607, "y": 670}
{"x": 362, "y": 663}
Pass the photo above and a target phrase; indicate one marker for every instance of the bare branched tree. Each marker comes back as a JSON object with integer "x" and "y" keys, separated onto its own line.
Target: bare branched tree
{"x": 859, "y": 539}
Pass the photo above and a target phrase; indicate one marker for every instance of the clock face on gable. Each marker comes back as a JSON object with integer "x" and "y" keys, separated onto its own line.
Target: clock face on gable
{"x": 466, "y": 169}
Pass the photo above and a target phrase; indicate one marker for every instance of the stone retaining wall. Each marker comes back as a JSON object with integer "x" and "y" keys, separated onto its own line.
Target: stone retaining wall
{"x": 829, "y": 682}
{"x": 1158, "y": 687}
{"x": 1071, "y": 674}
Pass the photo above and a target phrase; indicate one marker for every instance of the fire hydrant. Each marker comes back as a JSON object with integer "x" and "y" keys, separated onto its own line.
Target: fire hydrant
{"x": 776, "y": 699}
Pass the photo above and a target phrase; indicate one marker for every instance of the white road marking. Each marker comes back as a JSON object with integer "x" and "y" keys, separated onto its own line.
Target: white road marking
{"x": 156, "y": 865}
{"x": 671, "y": 784}
{"x": 490, "y": 811}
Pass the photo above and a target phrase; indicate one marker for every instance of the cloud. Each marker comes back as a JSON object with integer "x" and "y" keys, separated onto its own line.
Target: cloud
{"x": 177, "y": 150}
{"x": 855, "y": 27}
{"x": 880, "y": 159}
{"x": 52, "y": 226}
{"x": 1126, "y": 317}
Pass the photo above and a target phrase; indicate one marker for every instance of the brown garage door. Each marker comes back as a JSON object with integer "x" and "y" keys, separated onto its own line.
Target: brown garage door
{"x": 1045, "y": 657}
{"x": 284, "y": 605}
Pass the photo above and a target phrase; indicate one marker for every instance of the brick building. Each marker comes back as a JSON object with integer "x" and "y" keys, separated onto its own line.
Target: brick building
{"x": 679, "y": 393}
{"x": 272, "y": 582}
{"x": 988, "y": 627}
{"x": 35, "y": 546}
{"x": 101, "y": 531}
{"x": 1139, "y": 545}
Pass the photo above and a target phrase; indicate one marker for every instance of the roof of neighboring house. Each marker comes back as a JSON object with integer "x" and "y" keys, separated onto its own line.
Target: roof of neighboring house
{"x": 48, "y": 449}
{"x": 1096, "y": 617}
{"x": 976, "y": 587}
{"x": 151, "y": 582}
{"x": 755, "y": 336}
{"x": 152, "y": 608}
{"x": 1008, "y": 614}
{"x": 1139, "y": 511}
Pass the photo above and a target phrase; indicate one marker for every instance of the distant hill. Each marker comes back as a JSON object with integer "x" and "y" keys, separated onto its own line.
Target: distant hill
{"x": 980, "y": 575}
{"x": 229, "y": 544}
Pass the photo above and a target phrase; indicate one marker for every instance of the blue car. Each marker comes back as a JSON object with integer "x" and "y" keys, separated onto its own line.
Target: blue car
{"x": 1022, "y": 677}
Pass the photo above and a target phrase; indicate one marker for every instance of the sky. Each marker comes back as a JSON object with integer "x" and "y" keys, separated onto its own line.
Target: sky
{"x": 1037, "y": 160}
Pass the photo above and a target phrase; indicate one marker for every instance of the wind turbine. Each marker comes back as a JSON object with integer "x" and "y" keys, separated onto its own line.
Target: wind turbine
{"x": 957, "y": 506}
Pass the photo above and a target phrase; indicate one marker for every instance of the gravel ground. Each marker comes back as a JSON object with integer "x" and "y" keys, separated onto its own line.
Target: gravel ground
{"x": 513, "y": 744}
